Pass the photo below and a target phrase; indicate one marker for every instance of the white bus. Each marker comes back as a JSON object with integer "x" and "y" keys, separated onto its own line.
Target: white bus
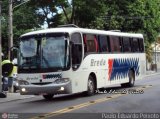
{"x": 70, "y": 60}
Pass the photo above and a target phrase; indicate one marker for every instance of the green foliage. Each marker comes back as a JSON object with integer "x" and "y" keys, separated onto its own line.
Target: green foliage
{"x": 4, "y": 26}
{"x": 139, "y": 16}
{"x": 47, "y": 11}
{"x": 135, "y": 16}
{"x": 88, "y": 13}
{"x": 24, "y": 18}
{"x": 149, "y": 51}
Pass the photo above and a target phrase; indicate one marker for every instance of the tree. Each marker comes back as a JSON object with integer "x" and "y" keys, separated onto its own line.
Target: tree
{"x": 84, "y": 13}
{"x": 142, "y": 16}
{"x": 23, "y": 19}
{"x": 149, "y": 51}
{"x": 4, "y": 27}
{"x": 138, "y": 16}
{"x": 47, "y": 12}
{"x": 134, "y": 16}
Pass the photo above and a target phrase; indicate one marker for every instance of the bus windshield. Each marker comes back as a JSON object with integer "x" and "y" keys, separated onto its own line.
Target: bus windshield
{"x": 43, "y": 51}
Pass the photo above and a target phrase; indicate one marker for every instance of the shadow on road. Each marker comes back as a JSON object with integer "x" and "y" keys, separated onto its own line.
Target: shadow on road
{"x": 69, "y": 97}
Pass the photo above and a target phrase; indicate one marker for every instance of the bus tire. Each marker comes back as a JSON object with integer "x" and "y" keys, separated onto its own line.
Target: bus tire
{"x": 131, "y": 80}
{"x": 91, "y": 86}
{"x": 48, "y": 96}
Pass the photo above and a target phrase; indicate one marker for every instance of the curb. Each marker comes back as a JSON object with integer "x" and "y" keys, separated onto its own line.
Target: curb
{"x": 14, "y": 97}
{"x": 151, "y": 74}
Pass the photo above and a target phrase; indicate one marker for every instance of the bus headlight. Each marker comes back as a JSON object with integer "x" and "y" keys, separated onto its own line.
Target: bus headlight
{"x": 23, "y": 90}
{"x": 61, "y": 80}
{"x": 23, "y": 82}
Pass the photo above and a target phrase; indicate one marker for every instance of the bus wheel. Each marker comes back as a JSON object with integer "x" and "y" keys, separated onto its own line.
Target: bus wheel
{"x": 48, "y": 96}
{"x": 91, "y": 86}
{"x": 131, "y": 79}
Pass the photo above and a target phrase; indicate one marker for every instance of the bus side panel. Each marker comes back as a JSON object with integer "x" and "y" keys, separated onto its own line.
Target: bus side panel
{"x": 79, "y": 80}
{"x": 95, "y": 64}
{"x": 120, "y": 64}
{"x": 109, "y": 69}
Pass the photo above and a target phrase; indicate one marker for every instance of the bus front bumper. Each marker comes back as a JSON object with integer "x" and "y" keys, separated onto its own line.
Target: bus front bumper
{"x": 64, "y": 88}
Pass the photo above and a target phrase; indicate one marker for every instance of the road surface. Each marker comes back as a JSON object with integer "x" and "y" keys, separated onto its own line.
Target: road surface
{"x": 141, "y": 101}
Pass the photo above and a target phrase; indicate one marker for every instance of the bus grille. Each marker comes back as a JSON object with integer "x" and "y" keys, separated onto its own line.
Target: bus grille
{"x": 42, "y": 83}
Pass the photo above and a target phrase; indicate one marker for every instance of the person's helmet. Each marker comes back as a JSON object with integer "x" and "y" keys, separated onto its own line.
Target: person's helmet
{"x": 7, "y": 67}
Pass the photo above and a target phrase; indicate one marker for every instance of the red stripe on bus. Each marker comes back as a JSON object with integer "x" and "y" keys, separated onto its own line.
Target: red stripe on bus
{"x": 110, "y": 67}
{"x": 95, "y": 40}
{"x": 84, "y": 39}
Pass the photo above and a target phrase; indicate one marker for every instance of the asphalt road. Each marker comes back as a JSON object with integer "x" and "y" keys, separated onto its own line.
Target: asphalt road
{"x": 141, "y": 101}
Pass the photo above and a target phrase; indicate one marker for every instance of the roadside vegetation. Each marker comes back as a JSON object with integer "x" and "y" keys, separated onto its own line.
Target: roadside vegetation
{"x": 139, "y": 16}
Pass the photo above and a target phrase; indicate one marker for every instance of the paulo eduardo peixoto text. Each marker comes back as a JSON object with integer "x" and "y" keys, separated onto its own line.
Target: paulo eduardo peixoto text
{"x": 130, "y": 115}
{"x": 124, "y": 91}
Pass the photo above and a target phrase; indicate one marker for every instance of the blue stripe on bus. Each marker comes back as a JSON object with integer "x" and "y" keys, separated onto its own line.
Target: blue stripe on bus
{"x": 121, "y": 67}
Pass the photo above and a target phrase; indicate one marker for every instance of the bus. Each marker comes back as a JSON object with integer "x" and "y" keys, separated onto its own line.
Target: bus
{"x": 69, "y": 60}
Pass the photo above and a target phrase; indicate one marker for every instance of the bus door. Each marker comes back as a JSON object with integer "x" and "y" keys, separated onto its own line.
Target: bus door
{"x": 76, "y": 50}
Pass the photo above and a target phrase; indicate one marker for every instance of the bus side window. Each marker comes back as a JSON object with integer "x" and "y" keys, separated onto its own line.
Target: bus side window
{"x": 126, "y": 44}
{"x": 85, "y": 43}
{"x": 76, "y": 50}
{"x": 91, "y": 43}
{"x": 103, "y": 43}
{"x": 115, "y": 43}
{"x": 141, "y": 45}
{"x": 135, "y": 45}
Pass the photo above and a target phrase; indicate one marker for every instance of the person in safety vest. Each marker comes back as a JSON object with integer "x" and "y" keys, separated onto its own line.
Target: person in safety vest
{"x": 7, "y": 71}
{"x": 2, "y": 93}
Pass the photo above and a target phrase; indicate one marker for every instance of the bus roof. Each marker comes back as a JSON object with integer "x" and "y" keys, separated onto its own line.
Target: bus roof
{"x": 83, "y": 30}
